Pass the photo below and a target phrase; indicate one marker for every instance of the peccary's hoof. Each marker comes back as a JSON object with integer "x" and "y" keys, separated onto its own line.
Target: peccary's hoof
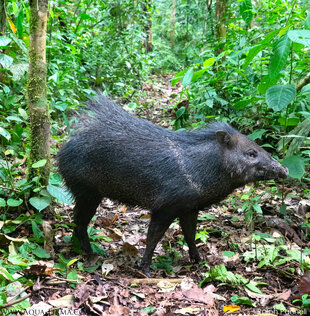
{"x": 195, "y": 259}
{"x": 146, "y": 271}
{"x": 90, "y": 259}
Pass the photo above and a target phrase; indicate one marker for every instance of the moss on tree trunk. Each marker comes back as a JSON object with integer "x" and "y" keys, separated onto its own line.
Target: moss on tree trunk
{"x": 2, "y": 17}
{"x": 37, "y": 102}
{"x": 220, "y": 12}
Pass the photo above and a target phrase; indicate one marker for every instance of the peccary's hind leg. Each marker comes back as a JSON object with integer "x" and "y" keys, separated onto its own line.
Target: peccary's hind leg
{"x": 188, "y": 222}
{"x": 84, "y": 210}
{"x": 158, "y": 225}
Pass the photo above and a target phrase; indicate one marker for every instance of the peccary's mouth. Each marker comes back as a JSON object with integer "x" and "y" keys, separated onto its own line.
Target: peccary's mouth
{"x": 279, "y": 172}
{"x": 284, "y": 173}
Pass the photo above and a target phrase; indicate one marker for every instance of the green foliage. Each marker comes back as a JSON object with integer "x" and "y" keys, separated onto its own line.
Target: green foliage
{"x": 221, "y": 274}
{"x": 202, "y": 235}
{"x": 241, "y": 300}
{"x": 246, "y": 11}
{"x": 257, "y": 70}
{"x": 271, "y": 252}
{"x": 295, "y": 165}
{"x": 279, "y": 97}
{"x": 163, "y": 262}
{"x": 305, "y": 302}
{"x": 251, "y": 80}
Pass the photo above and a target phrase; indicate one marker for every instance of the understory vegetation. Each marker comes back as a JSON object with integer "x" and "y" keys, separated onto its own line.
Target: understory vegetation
{"x": 181, "y": 64}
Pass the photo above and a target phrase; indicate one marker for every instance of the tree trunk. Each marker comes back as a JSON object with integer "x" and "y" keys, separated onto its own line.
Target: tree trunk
{"x": 2, "y": 17}
{"x": 148, "y": 26}
{"x": 172, "y": 23}
{"x": 220, "y": 11}
{"x": 2, "y": 26}
{"x": 37, "y": 102}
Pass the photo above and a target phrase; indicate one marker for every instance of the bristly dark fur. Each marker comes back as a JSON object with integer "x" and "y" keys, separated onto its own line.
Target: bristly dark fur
{"x": 113, "y": 154}
{"x": 101, "y": 110}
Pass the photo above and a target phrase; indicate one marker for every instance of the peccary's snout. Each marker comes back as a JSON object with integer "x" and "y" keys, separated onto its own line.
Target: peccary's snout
{"x": 278, "y": 169}
{"x": 283, "y": 172}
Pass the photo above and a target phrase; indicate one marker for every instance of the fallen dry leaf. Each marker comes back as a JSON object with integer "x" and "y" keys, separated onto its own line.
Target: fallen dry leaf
{"x": 65, "y": 301}
{"x": 231, "y": 308}
{"x": 165, "y": 286}
{"x": 304, "y": 284}
{"x": 129, "y": 250}
{"x": 284, "y": 296}
{"x": 196, "y": 294}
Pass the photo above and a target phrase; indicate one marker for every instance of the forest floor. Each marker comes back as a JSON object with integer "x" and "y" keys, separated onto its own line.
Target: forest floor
{"x": 248, "y": 268}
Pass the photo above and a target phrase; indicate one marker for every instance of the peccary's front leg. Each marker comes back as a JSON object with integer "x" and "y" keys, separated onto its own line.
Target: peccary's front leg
{"x": 84, "y": 210}
{"x": 188, "y": 222}
{"x": 158, "y": 225}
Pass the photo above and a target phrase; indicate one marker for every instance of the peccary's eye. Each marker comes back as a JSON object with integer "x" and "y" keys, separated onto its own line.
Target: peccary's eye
{"x": 252, "y": 153}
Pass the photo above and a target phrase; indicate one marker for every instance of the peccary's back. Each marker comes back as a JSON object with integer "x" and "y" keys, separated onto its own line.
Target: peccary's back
{"x": 134, "y": 161}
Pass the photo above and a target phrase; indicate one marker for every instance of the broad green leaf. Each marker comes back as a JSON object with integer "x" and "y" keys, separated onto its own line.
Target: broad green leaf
{"x": 257, "y": 134}
{"x": 19, "y": 23}
{"x": 178, "y": 77}
{"x": 14, "y": 118}
{"x": 229, "y": 254}
{"x": 209, "y": 62}
{"x": 14, "y": 202}
{"x": 61, "y": 106}
{"x": 23, "y": 113}
{"x": 4, "y": 41}
{"x": 253, "y": 288}
{"x": 40, "y": 253}
{"x": 39, "y": 163}
{"x": 265, "y": 83}
{"x": 19, "y": 260}
{"x": 279, "y": 307}
{"x": 280, "y": 52}
{"x": 2, "y": 202}
{"x": 72, "y": 275}
{"x": 85, "y": 16}
{"x": 60, "y": 193}
{"x": 198, "y": 74}
{"x": 5, "y": 61}
{"x": 5, "y": 133}
{"x": 300, "y": 36}
{"x": 40, "y": 203}
{"x": 306, "y": 89}
{"x": 246, "y": 11}
{"x": 292, "y": 121}
{"x": 188, "y": 77}
{"x": 180, "y": 111}
{"x": 280, "y": 96}
{"x": 295, "y": 165}
{"x": 55, "y": 178}
{"x": 307, "y": 20}
{"x": 257, "y": 208}
{"x": 4, "y": 274}
{"x": 18, "y": 70}
{"x": 283, "y": 31}
{"x": 259, "y": 47}
{"x": 241, "y": 300}
{"x": 37, "y": 232}
{"x": 71, "y": 262}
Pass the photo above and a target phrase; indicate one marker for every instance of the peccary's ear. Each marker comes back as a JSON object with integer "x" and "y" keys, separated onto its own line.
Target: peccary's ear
{"x": 224, "y": 138}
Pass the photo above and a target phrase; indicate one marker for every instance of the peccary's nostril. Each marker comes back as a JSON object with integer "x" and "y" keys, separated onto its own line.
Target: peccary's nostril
{"x": 283, "y": 172}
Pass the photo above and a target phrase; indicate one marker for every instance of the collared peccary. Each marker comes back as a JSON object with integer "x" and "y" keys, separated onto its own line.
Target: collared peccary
{"x": 174, "y": 174}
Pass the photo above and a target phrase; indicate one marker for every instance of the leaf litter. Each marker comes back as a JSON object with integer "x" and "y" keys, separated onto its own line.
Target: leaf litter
{"x": 257, "y": 263}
